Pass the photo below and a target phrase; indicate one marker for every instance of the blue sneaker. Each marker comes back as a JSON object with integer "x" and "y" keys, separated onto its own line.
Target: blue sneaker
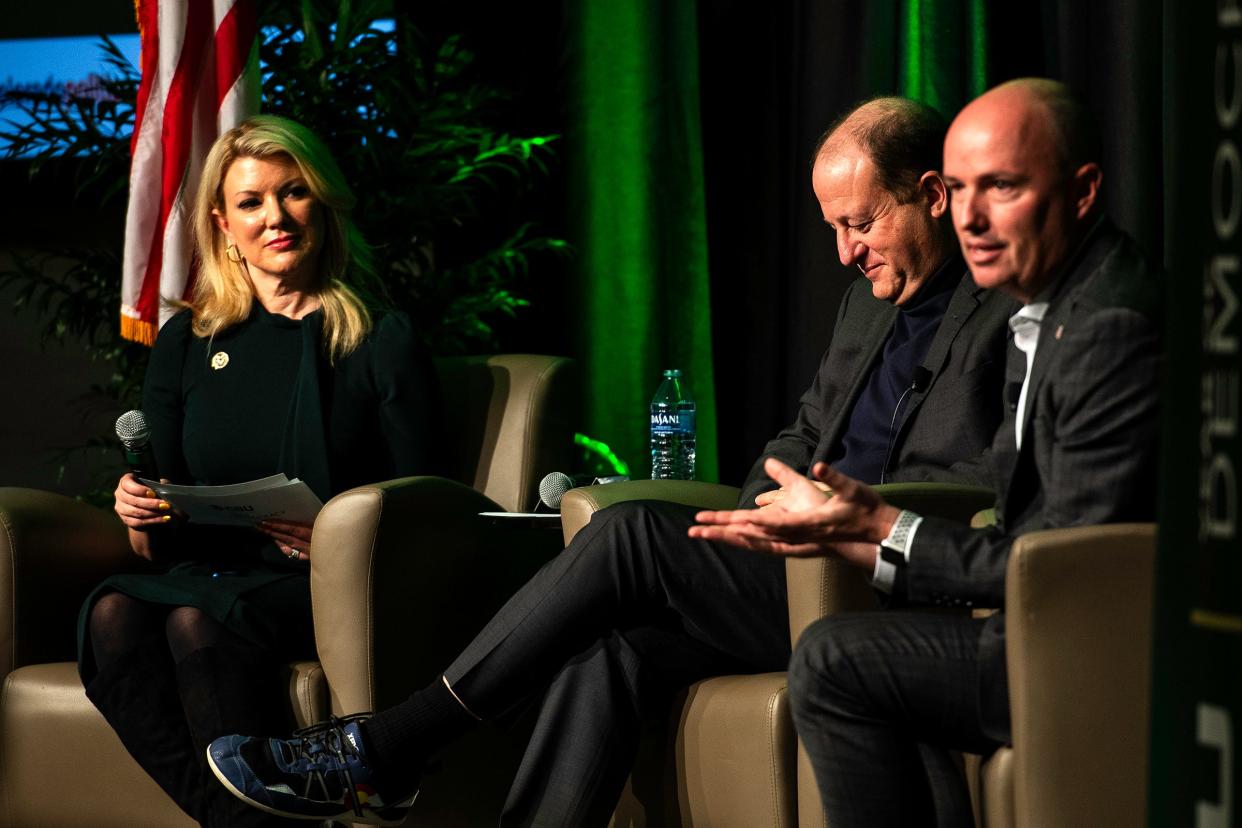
{"x": 320, "y": 773}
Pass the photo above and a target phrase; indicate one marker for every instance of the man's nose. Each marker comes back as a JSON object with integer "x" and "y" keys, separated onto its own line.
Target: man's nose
{"x": 849, "y": 250}
{"x": 967, "y": 214}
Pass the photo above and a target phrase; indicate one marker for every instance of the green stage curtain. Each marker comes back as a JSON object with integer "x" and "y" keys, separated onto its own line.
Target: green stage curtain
{"x": 640, "y": 292}
{"x": 640, "y": 298}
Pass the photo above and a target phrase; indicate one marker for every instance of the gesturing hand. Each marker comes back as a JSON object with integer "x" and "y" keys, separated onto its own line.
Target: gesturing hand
{"x": 807, "y": 521}
{"x": 775, "y": 495}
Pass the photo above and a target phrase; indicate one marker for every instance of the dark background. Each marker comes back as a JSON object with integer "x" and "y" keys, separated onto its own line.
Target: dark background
{"x": 772, "y": 76}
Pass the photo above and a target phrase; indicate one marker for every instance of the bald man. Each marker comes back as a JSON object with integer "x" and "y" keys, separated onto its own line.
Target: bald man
{"x": 1077, "y": 447}
{"x": 634, "y": 610}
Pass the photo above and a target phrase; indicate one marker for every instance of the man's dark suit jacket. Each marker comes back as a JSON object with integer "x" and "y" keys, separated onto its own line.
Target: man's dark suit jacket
{"x": 1089, "y": 444}
{"x": 944, "y": 429}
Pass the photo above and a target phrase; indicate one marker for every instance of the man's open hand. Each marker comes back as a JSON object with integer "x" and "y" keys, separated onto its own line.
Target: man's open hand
{"x": 807, "y": 521}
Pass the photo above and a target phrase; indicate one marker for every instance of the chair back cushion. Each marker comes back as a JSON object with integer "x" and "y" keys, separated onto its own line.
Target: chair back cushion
{"x": 53, "y": 551}
{"x": 508, "y": 421}
{"x": 1078, "y": 606}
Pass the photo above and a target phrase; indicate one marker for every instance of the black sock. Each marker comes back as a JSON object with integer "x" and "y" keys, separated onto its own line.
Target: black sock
{"x": 399, "y": 740}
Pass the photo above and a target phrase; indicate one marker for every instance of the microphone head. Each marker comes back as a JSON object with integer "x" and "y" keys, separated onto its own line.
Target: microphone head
{"x": 1013, "y": 393}
{"x": 132, "y": 430}
{"x": 553, "y": 487}
{"x": 922, "y": 378}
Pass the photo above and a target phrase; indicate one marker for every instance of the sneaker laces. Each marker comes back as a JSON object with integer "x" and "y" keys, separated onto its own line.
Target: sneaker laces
{"x": 323, "y": 746}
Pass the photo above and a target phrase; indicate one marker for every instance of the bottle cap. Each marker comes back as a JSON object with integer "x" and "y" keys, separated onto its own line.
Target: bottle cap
{"x": 672, "y": 373}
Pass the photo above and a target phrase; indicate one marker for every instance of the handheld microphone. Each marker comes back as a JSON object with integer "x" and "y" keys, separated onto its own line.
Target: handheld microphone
{"x": 135, "y": 437}
{"x": 553, "y": 486}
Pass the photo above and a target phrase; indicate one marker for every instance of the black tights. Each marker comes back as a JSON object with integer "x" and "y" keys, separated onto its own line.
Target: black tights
{"x": 171, "y": 680}
{"x": 121, "y": 624}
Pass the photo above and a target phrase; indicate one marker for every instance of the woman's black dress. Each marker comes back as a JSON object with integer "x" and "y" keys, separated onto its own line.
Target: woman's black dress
{"x": 256, "y": 400}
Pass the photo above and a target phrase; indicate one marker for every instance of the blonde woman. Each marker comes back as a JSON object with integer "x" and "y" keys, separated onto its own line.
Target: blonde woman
{"x": 274, "y": 365}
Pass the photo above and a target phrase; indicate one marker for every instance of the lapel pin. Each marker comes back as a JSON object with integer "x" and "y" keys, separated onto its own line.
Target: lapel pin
{"x": 221, "y": 359}
{"x": 1060, "y": 330}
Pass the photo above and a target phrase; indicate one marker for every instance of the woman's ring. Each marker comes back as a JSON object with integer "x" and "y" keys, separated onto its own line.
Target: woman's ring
{"x": 293, "y": 554}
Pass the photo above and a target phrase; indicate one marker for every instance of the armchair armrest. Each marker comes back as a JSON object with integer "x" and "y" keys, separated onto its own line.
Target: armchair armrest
{"x": 53, "y": 551}
{"x": 824, "y": 586}
{"x": 1078, "y": 605}
{"x": 951, "y": 501}
{"x": 579, "y": 504}
{"x": 403, "y": 574}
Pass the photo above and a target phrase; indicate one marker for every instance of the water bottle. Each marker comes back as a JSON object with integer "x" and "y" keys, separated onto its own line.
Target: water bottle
{"x": 672, "y": 430}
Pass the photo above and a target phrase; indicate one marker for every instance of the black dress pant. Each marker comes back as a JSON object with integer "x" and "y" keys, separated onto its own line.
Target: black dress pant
{"x": 632, "y": 611}
{"x": 586, "y": 738}
{"x": 877, "y": 699}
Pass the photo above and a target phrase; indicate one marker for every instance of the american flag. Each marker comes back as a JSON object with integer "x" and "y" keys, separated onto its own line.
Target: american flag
{"x": 199, "y": 78}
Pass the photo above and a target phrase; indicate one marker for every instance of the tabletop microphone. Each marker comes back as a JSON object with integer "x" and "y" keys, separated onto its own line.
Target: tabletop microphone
{"x": 553, "y": 486}
{"x": 135, "y": 437}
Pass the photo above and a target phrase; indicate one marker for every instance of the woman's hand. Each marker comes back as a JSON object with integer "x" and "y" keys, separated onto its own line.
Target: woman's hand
{"x": 139, "y": 509}
{"x": 293, "y": 539}
{"x": 137, "y": 506}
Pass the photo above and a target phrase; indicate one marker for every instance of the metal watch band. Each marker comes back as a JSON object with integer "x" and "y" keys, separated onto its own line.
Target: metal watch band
{"x": 899, "y": 536}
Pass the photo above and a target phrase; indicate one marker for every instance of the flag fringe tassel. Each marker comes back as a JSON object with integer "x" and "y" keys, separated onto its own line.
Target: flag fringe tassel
{"x": 138, "y": 330}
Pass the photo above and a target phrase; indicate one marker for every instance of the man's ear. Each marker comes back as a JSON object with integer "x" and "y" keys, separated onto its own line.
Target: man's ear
{"x": 1087, "y": 181}
{"x": 934, "y": 193}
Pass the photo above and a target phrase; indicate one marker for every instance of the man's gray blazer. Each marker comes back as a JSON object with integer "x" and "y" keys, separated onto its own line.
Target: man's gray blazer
{"x": 1089, "y": 443}
{"x": 945, "y": 427}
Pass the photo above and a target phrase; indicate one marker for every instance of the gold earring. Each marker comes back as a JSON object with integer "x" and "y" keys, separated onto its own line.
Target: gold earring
{"x": 233, "y": 253}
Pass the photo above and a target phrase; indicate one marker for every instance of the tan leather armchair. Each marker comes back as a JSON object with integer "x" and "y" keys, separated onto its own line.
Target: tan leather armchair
{"x": 735, "y": 760}
{"x": 1078, "y": 638}
{"x": 398, "y": 585}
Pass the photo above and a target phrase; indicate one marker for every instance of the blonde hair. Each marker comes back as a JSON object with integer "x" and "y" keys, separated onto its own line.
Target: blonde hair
{"x": 223, "y": 292}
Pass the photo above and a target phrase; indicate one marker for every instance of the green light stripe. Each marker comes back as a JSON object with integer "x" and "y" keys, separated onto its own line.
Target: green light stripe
{"x": 1216, "y": 621}
{"x": 639, "y": 219}
{"x": 618, "y": 465}
{"x": 978, "y": 47}
{"x": 616, "y": 248}
{"x": 912, "y": 56}
{"x": 943, "y": 53}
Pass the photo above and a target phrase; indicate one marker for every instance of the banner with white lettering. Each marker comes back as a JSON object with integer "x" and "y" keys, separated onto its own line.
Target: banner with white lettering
{"x": 1197, "y": 660}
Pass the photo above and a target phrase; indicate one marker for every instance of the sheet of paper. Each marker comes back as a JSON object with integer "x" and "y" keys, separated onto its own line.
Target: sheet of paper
{"x": 277, "y": 498}
{"x": 549, "y": 516}
{"x": 229, "y": 489}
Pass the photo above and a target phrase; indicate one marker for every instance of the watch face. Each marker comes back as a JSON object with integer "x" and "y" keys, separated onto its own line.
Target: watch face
{"x": 899, "y": 536}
